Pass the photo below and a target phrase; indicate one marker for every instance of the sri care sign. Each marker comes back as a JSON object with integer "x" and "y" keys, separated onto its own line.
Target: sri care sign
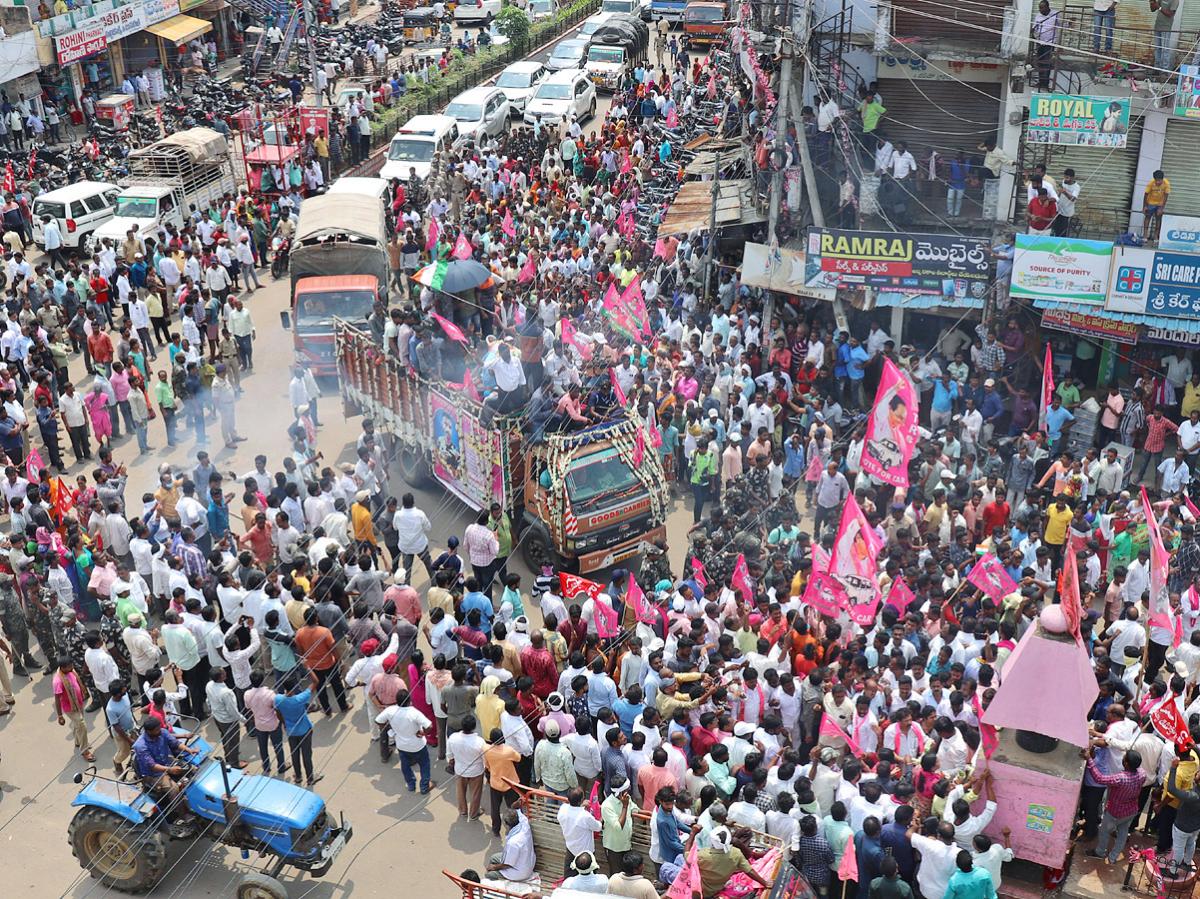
{"x": 1154, "y": 282}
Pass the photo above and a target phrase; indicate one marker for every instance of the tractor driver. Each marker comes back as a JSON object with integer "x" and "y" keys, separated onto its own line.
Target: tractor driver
{"x": 155, "y": 756}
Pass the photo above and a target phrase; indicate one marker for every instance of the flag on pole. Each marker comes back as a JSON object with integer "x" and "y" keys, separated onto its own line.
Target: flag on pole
{"x": 1191, "y": 507}
{"x": 616, "y": 385}
{"x": 639, "y": 448}
{"x": 507, "y": 225}
{"x": 62, "y": 500}
{"x": 635, "y": 596}
{"x": 988, "y": 575}
{"x": 528, "y": 270}
{"x": 655, "y": 434}
{"x": 462, "y": 247}
{"x": 10, "y": 180}
{"x": 848, "y": 866}
{"x": 821, "y": 593}
{"x": 699, "y": 574}
{"x": 431, "y": 239}
{"x": 607, "y": 623}
{"x": 1170, "y": 724}
{"x": 900, "y": 595}
{"x": 468, "y": 386}
{"x": 634, "y": 302}
{"x": 572, "y": 585}
{"x": 1047, "y": 388}
{"x": 892, "y": 433}
{"x": 740, "y": 579}
{"x": 855, "y": 549}
{"x": 453, "y": 331}
{"x": 440, "y": 267}
{"x": 33, "y": 464}
{"x": 571, "y": 337}
{"x": 687, "y": 881}
{"x": 830, "y": 729}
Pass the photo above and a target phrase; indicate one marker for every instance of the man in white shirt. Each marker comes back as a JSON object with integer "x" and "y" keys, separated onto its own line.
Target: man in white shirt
{"x": 465, "y": 750}
{"x": 579, "y": 826}
{"x": 408, "y": 728}
{"x": 412, "y": 528}
{"x": 903, "y": 163}
{"x": 938, "y": 856}
{"x": 958, "y": 813}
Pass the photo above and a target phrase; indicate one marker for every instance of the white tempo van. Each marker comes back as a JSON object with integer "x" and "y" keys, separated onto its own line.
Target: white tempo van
{"x": 415, "y": 144}
{"x": 80, "y": 208}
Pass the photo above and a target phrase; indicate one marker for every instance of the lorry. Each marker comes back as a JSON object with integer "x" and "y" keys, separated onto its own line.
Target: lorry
{"x": 580, "y": 501}
{"x": 705, "y": 21}
{"x": 120, "y": 833}
{"x": 193, "y": 166}
{"x": 671, "y": 10}
{"x": 338, "y": 264}
{"x": 617, "y": 47}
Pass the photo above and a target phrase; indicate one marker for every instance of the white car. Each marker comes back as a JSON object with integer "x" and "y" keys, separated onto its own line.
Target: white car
{"x": 568, "y": 54}
{"x": 562, "y": 95}
{"x": 592, "y": 23}
{"x": 541, "y": 9}
{"x": 477, "y": 10}
{"x": 637, "y": 8}
{"x": 519, "y": 81}
{"x": 480, "y": 111}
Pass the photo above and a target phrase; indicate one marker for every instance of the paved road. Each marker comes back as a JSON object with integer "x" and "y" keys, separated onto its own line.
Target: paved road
{"x": 401, "y": 839}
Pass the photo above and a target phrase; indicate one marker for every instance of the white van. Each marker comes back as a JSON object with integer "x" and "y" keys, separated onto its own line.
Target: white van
{"x": 415, "y": 144}
{"x": 363, "y": 187}
{"x": 80, "y": 208}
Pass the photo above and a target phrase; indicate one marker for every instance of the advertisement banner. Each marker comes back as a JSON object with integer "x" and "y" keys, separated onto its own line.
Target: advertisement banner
{"x": 941, "y": 265}
{"x": 1090, "y": 325}
{"x": 123, "y": 21}
{"x": 78, "y": 44}
{"x": 1061, "y": 268}
{"x": 1180, "y": 233}
{"x": 1155, "y": 283}
{"x": 777, "y": 268}
{"x": 1187, "y": 93}
{"x": 466, "y": 457}
{"x": 891, "y": 432}
{"x": 1078, "y": 121}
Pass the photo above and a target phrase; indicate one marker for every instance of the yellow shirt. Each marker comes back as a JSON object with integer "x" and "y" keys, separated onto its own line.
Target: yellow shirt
{"x": 360, "y": 522}
{"x": 1191, "y": 399}
{"x": 1156, "y": 193}
{"x": 1056, "y": 524}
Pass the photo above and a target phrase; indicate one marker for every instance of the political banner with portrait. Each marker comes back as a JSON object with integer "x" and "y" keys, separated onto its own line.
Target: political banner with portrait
{"x": 891, "y": 433}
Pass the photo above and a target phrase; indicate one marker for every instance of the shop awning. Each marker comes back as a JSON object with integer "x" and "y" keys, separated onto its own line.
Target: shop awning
{"x": 1168, "y": 322}
{"x": 923, "y": 301}
{"x": 180, "y": 29}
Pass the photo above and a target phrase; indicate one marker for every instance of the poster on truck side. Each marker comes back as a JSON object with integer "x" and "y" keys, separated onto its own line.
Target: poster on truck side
{"x": 466, "y": 457}
{"x": 1073, "y": 120}
{"x": 936, "y": 264}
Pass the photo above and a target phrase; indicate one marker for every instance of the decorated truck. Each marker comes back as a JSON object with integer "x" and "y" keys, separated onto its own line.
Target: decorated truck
{"x": 584, "y": 500}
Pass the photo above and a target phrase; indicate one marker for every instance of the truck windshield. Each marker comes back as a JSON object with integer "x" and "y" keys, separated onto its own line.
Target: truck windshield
{"x": 606, "y": 54}
{"x": 410, "y": 150}
{"x": 315, "y": 311}
{"x": 703, "y": 14}
{"x": 137, "y": 207}
{"x": 625, "y": 6}
{"x": 599, "y": 475}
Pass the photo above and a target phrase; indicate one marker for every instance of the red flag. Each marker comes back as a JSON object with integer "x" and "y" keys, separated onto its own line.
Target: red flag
{"x": 528, "y": 270}
{"x": 607, "y": 624}
{"x": 507, "y": 225}
{"x": 10, "y": 180}
{"x": 740, "y": 580}
{"x": 432, "y": 238}
{"x": 453, "y": 331}
{"x": 62, "y": 501}
{"x": 830, "y": 729}
{"x": 1072, "y": 605}
{"x": 621, "y": 398}
{"x": 33, "y": 464}
{"x": 462, "y": 247}
{"x": 1170, "y": 724}
{"x": 572, "y": 585}
{"x": 468, "y": 386}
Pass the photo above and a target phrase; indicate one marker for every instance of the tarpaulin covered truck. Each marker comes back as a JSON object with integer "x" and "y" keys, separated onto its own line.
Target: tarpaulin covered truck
{"x": 577, "y": 499}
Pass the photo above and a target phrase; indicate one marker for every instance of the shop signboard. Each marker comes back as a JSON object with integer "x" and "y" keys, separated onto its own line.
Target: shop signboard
{"x": 934, "y": 264}
{"x": 1061, "y": 269}
{"x": 119, "y": 21}
{"x": 75, "y": 45}
{"x": 1180, "y": 233}
{"x": 1180, "y": 336}
{"x": 1086, "y": 325}
{"x": 1187, "y": 92}
{"x": 1077, "y": 120}
{"x": 123, "y": 21}
{"x": 1152, "y": 282}
{"x": 778, "y": 268}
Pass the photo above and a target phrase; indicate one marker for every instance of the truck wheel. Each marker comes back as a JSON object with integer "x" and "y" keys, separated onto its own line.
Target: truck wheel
{"x": 537, "y": 547}
{"x": 413, "y": 467}
{"x": 126, "y": 857}
{"x": 260, "y": 886}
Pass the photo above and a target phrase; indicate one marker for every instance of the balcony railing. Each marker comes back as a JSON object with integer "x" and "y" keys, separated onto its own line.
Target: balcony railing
{"x": 1133, "y": 44}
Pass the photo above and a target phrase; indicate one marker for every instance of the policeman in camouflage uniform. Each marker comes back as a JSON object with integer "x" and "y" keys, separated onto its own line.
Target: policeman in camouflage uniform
{"x": 655, "y": 565}
{"x": 16, "y": 628}
{"x": 41, "y": 604}
{"x": 110, "y": 635}
{"x": 75, "y": 642}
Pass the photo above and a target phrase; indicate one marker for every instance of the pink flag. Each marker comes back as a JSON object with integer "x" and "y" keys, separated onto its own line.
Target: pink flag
{"x": 820, "y": 558}
{"x": 33, "y": 464}
{"x": 636, "y": 597}
{"x": 821, "y": 593}
{"x": 593, "y": 802}
{"x": 626, "y": 163}
{"x": 830, "y": 729}
{"x": 813, "y": 472}
{"x": 432, "y": 238}
{"x": 1160, "y": 599}
{"x": 1191, "y": 506}
{"x": 855, "y": 549}
{"x": 988, "y": 575}
{"x": 616, "y": 385}
{"x": 891, "y": 433}
{"x": 607, "y": 624}
{"x": 1047, "y": 388}
{"x": 655, "y": 434}
{"x": 699, "y": 574}
{"x": 687, "y": 881}
{"x": 900, "y": 595}
{"x": 625, "y": 225}
{"x": 453, "y": 331}
{"x": 660, "y": 248}
{"x": 570, "y": 337}
{"x": 740, "y": 579}
{"x": 639, "y": 448}
{"x": 507, "y": 225}
{"x": 635, "y": 301}
{"x": 462, "y": 247}
{"x": 864, "y": 615}
{"x": 848, "y": 866}
{"x": 672, "y": 118}
{"x": 470, "y": 388}
{"x": 528, "y": 270}
{"x": 1072, "y": 605}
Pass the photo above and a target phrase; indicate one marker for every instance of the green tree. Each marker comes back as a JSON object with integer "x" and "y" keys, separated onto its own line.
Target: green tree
{"x": 514, "y": 25}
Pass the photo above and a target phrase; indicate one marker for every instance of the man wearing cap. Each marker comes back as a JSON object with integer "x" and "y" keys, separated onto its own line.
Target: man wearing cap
{"x": 144, "y": 653}
{"x": 553, "y": 763}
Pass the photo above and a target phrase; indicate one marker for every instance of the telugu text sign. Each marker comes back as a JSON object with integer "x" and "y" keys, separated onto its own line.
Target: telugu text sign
{"x": 1061, "y": 269}
{"x": 1075, "y": 120}
{"x": 1099, "y": 326}
{"x": 79, "y": 44}
{"x": 951, "y": 267}
{"x": 1156, "y": 283}
{"x": 1180, "y": 233}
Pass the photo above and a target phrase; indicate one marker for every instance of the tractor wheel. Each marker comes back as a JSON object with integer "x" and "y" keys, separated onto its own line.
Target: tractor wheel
{"x": 123, "y": 856}
{"x": 261, "y": 886}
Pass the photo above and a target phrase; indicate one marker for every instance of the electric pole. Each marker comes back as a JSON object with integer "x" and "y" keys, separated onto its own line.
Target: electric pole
{"x": 309, "y": 23}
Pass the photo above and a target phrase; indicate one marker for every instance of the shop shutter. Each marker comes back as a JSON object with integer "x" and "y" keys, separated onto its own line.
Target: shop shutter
{"x": 977, "y": 23}
{"x": 1179, "y": 165}
{"x": 1106, "y": 178}
{"x": 947, "y": 116}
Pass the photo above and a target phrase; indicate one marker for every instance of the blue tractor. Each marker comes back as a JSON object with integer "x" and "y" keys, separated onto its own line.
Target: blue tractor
{"x": 120, "y": 832}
